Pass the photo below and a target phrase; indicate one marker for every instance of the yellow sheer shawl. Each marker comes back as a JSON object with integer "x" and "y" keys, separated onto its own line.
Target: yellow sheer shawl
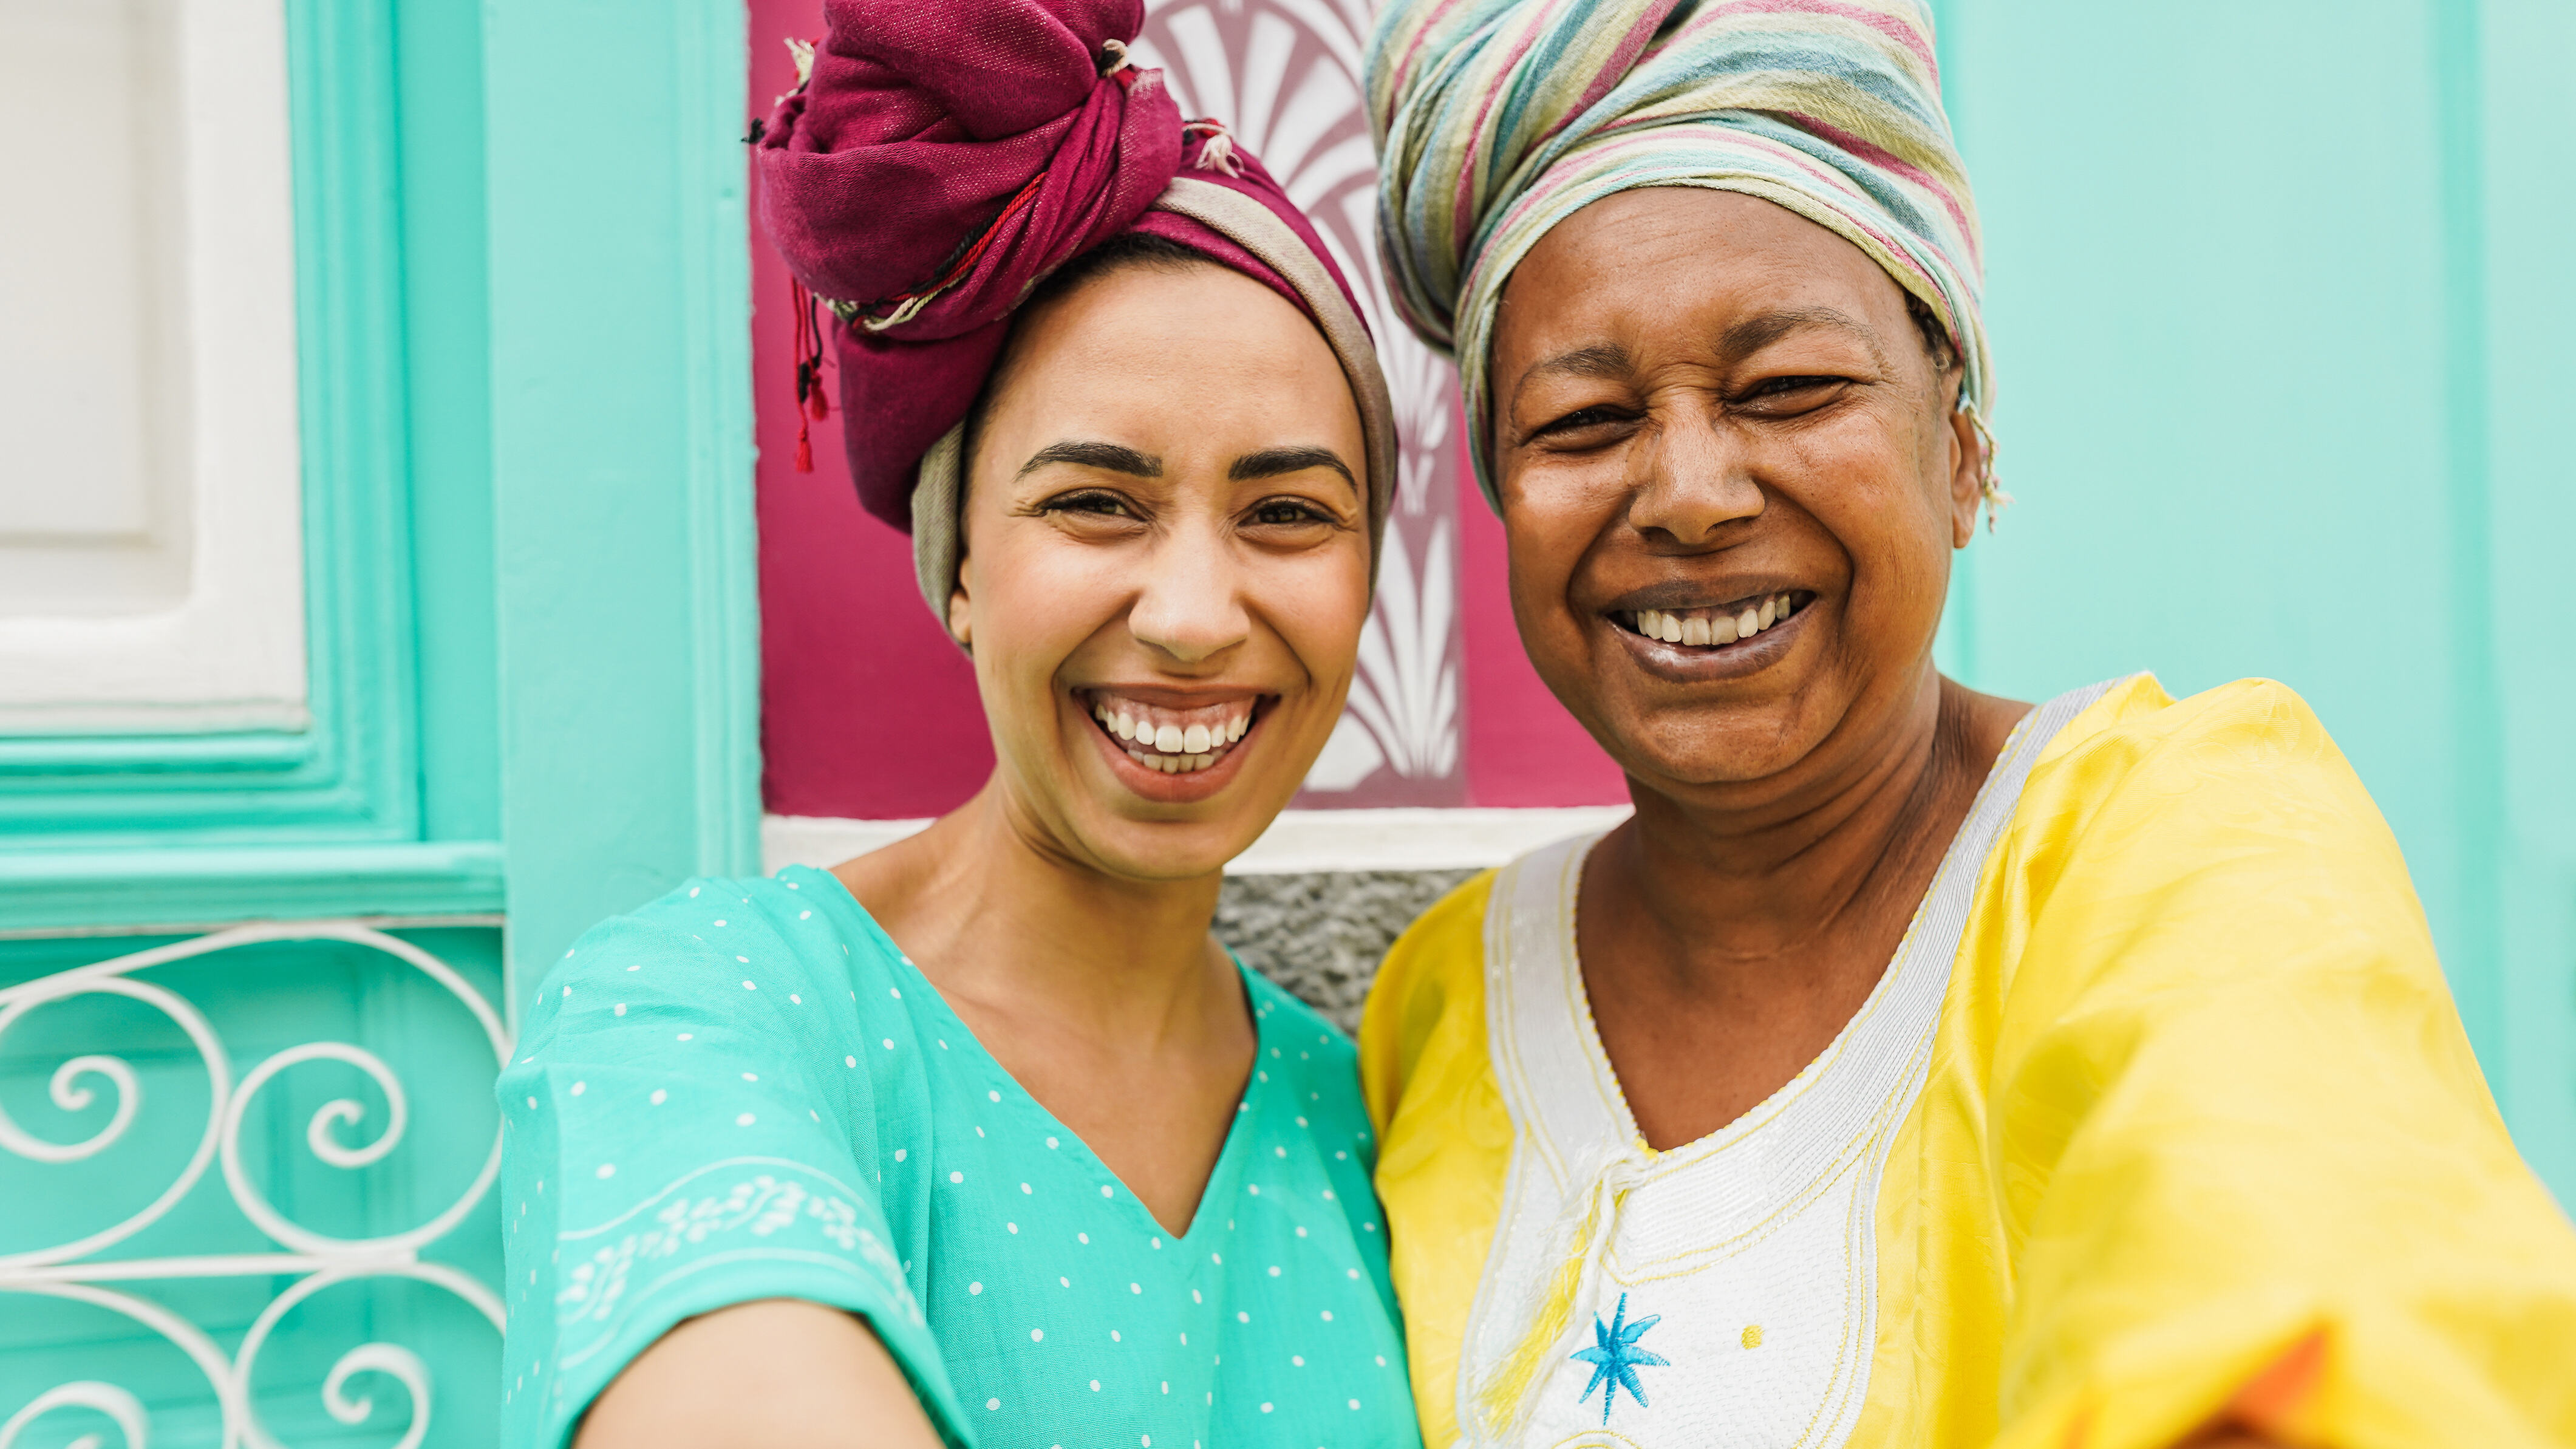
{"x": 2201, "y": 1127}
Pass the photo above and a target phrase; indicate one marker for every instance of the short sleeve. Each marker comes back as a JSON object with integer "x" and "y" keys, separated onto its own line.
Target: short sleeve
{"x": 685, "y": 1132}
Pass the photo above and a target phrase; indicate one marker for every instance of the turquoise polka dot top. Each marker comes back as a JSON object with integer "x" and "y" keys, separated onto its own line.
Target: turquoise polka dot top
{"x": 746, "y": 1091}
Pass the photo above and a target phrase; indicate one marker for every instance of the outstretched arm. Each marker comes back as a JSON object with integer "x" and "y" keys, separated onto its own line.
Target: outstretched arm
{"x": 756, "y": 1375}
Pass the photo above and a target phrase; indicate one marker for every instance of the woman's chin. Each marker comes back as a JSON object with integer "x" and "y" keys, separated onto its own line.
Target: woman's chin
{"x": 1124, "y": 845}
{"x": 1146, "y": 822}
{"x": 1679, "y": 749}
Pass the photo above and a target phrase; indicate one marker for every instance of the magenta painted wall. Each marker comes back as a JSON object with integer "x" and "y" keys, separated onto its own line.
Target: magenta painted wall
{"x": 1522, "y": 747}
{"x": 869, "y": 712}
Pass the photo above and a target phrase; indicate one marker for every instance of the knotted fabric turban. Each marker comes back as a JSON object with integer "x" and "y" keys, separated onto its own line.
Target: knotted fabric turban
{"x": 1497, "y": 119}
{"x": 942, "y": 158}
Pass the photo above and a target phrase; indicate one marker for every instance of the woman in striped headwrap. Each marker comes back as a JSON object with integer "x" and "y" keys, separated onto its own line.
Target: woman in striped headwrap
{"x": 1915, "y": 1067}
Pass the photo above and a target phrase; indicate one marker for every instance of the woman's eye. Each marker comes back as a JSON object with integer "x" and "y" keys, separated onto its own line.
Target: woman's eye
{"x": 1287, "y": 513}
{"x": 1791, "y": 394}
{"x": 1579, "y": 420}
{"x": 1091, "y": 501}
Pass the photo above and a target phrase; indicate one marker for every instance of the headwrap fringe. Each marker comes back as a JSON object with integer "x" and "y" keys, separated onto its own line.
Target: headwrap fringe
{"x": 1579, "y": 1243}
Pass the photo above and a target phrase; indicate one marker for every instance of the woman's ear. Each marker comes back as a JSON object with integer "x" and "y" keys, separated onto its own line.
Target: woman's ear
{"x": 1968, "y": 465}
{"x": 961, "y": 626}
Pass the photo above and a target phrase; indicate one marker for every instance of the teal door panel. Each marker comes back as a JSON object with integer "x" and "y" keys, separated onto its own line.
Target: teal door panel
{"x": 526, "y": 477}
{"x": 2278, "y": 305}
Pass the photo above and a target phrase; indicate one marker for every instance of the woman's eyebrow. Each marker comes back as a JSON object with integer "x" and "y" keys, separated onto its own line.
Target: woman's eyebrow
{"x": 1755, "y": 333}
{"x": 1279, "y": 462}
{"x": 1110, "y": 457}
{"x": 1606, "y": 359}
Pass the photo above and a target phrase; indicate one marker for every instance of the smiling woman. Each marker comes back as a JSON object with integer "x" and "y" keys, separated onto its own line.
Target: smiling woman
{"x": 1914, "y": 1067}
{"x": 981, "y": 1137}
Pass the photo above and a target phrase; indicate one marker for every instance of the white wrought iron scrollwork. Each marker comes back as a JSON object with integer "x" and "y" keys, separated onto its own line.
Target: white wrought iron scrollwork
{"x": 318, "y": 1261}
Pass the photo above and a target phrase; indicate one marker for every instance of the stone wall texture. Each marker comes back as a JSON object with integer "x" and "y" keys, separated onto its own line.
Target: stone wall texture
{"x": 1321, "y": 936}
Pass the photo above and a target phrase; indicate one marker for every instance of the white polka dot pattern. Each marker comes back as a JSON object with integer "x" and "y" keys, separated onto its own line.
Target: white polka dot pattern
{"x": 1025, "y": 1282}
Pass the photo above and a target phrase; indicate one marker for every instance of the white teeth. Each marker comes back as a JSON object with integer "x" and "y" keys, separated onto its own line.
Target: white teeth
{"x": 1699, "y": 631}
{"x": 1173, "y": 748}
{"x": 1174, "y": 764}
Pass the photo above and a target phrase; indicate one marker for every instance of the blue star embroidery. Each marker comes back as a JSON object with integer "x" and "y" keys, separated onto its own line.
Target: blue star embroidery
{"x": 1615, "y": 1357}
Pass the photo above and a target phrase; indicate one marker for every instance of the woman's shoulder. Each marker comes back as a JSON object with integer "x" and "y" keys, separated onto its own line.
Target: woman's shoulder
{"x": 1285, "y": 1020}
{"x": 2239, "y": 734}
{"x": 1429, "y": 991}
{"x": 2233, "y": 762}
{"x": 745, "y": 948}
{"x": 800, "y": 917}
{"x": 1442, "y": 952}
{"x": 2230, "y": 816}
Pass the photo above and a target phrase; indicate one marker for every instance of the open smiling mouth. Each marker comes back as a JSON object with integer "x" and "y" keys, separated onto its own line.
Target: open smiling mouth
{"x": 1174, "y": 741}
{"x": 1717, "y": 626}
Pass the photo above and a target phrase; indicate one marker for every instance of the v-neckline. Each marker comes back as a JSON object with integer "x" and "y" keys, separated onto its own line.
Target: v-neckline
{"x": 1238, "y": 1132}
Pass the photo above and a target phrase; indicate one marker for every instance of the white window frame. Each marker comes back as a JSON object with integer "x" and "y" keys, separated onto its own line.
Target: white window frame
{"x": 229, "y": 654}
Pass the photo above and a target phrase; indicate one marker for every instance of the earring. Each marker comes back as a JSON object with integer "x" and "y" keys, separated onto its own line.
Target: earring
{"x": 1990, "y": 485}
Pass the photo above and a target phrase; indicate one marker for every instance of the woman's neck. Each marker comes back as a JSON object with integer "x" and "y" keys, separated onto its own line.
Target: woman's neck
{"x": 993, "y": 911}
{"x": 1761, "y": 873}
{"x": 1725, "y": 940}
{"x": 1105, "y": 999}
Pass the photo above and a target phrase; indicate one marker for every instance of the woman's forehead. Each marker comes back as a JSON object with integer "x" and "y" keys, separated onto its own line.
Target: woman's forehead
{"x": 1658, "y": 240}
{"x": 1166, "y": 353}
{"x": 1732, "y": 272}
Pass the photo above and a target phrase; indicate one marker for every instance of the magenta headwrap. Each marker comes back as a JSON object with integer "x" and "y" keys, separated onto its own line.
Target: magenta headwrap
{"x": 942, "y": 158}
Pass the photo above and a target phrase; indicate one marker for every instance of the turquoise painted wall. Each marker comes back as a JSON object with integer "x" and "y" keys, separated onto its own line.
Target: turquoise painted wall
{"x": 2280, "y": 306}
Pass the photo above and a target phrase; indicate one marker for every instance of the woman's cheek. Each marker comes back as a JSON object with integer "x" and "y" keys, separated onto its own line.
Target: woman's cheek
{"x": 1322, "y": 604}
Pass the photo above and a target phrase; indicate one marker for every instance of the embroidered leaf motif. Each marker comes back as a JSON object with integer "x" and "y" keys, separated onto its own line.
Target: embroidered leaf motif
{"x": 762, "y": 1206}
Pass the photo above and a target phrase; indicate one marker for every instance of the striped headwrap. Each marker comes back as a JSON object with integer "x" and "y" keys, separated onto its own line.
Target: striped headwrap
{"x": 1497, "y": 119}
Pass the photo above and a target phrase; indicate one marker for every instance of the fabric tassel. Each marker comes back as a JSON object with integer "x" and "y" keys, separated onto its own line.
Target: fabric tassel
{"x": 1578, "y": 1245}
{"x": 1216, "y": 151}
{"x": 811, "y": 403}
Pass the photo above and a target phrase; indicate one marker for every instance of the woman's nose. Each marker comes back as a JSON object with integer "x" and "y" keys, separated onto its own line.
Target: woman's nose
{"x": 1688, "y": 479}
{"x": 1189, "y": 605}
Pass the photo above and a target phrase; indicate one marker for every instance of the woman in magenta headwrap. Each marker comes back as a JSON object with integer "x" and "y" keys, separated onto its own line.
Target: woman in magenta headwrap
{"x": 982, "y": 1138}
